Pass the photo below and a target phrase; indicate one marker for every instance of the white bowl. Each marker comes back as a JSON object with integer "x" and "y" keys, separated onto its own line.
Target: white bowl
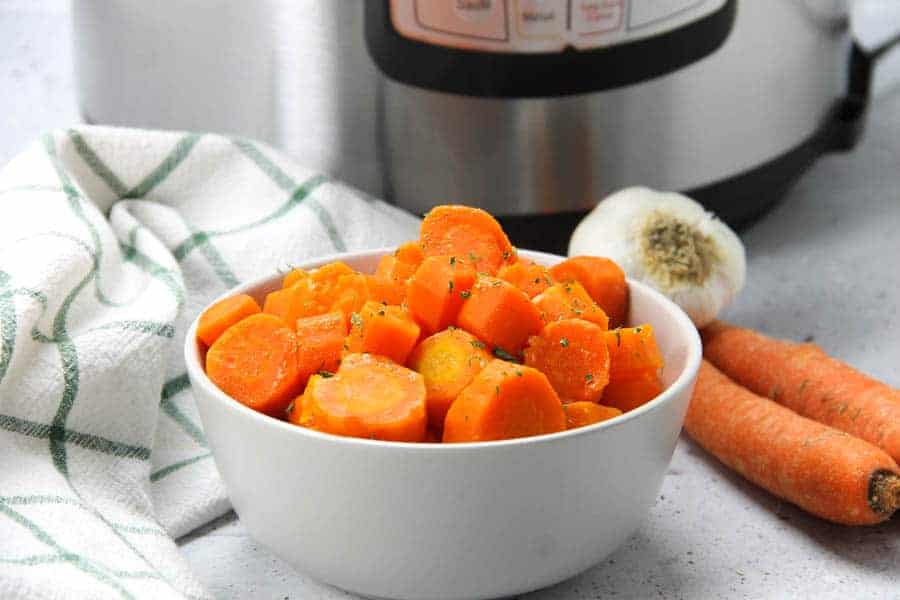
{"x": 455, "y": 521}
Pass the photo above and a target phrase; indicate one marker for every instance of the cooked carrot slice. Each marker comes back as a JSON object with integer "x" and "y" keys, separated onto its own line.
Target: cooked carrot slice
{"x": 222, "y": 315}
{"x": 572, "y": 354}
{"x": 569, "y": 301}
{"x": 410, "y": 253}
{"x": 350, "y": 293}
{"x": 581, "y": 414}
{"x": 326, "y": 281}
{"x": 382, "y": 329}
{"x": 369, "y": 397}
{"x": 320, "y": 342}
{"x": 436, "y": 292}
{"x": 448, "y": 361}
{"x": 628, "y": 394}
{"x": 293, "y": 276}
{"x": 504, "y": 401}
{"x": 292, "y": 303}
{"x": 632, "y": 352}
{"x": 255, "y": 362}
{"x": 470, "y": 234}
{"x": 500, "y": 314}
{"x": 603, "y": 279}
{"x": 384, "y": 290}
{"x": 527, "y": 275}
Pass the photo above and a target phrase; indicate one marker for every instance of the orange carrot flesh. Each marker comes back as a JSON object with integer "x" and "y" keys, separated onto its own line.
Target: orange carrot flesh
{"x": 448, "y": 361}
{"x": 410, "y": 253}
{"x": 633, "y": 352}
{"x": 809, "y": 382}
{"x": 369, "y": 397}
{"x": 222, "y": 315}
{"x": 385, "y": 290}
{"x": 499, "y": 314}
{"x": 255, "y": 362}
{"x": 293, "y": 276}
{"x": 384, "y": 330}
{"x": 350, "y": 292}
{"x": 603, "y": 279}
{"x": 504, "y": 401}
{"x": 569, "y": 301}
{"x": 628, "y": 394}
{"x": 472, "y": 235}
{"x": 582, "y": 414}
{"x": 299, "y": 412}
{"x": 527, "y": 275}
{"x": 572, "y": 353}
{"x": 294, "y": 302}
{"x": 436, "y": 292}
{"x": 824, "y": 471}
{"x": 320, "y": 342}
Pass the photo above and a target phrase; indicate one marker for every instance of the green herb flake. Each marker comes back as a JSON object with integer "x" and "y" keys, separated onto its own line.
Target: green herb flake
{"x": 504, "y": 355}
{"x": 472, "y": 257}
{"x": 518, "y": 373}
{"x": 637, "y": 329}
{"x": 450, "y": 286}
{"x": 326, "y": 374}
{"x": 589, "y": 377}
{"x": 465, "y": 294}
{"x": 477, "y": 343}
{"x": 452, "y": 260}
{"x": 506, "y": 255}
{"x": 564, "y": 342}
{"x": 356, "y": 320}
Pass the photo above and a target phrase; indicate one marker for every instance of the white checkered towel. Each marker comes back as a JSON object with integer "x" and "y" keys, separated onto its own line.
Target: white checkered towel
{"x": 111, "y": 241}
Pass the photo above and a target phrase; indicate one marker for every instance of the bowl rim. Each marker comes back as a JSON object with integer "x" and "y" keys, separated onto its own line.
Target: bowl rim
{"x": 198, "y": 377}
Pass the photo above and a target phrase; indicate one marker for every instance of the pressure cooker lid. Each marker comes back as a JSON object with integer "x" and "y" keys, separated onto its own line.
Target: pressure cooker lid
{"x": 539, "y": 48}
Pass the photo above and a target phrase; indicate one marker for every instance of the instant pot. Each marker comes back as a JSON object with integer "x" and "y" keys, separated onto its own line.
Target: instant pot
{"x": 523, "y": 107}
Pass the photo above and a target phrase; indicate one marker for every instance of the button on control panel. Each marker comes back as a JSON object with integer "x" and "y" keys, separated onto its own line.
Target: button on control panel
{"x": 529, "y": 26}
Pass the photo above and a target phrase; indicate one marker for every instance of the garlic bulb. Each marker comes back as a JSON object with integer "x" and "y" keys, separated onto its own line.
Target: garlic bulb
{"x": 669, "y": 242}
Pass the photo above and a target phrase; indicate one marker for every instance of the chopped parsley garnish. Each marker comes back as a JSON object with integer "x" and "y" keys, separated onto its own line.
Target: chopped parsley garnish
{"x": 326, "y": 374}
{"x": 477, "y": 343}
{"x": 564, "y": 342}
{"x": 356, "y": 320}
{"x": 589, "y": 377}
{"x": 504, "y": 355}
{"x": 465, "y": 294}
{"x": 452, "y": 260}
{"x": 450, "y": 286}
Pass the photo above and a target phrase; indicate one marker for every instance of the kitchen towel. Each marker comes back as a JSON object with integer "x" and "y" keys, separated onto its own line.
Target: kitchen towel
{"x": 111, "y": 242}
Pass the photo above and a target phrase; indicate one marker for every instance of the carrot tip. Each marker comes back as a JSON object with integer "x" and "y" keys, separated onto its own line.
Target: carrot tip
{"x": 884, "y": 492}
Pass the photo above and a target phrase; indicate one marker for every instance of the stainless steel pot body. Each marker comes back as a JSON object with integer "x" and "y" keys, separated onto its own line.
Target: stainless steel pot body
{"x": 305, "y": 82}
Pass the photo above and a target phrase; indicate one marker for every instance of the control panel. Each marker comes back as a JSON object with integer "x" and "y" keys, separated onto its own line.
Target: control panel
{"x": 533, "y": 26}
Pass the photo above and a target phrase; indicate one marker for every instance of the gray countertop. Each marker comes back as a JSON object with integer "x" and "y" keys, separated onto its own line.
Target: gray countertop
{"x": 822, "y": 265}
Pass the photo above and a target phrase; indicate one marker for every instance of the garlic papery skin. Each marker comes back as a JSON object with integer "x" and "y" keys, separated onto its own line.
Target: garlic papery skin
{"x": 669, "y": 242}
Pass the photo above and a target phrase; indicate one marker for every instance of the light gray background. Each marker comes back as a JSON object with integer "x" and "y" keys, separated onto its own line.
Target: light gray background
{"x": 824, "y": 264}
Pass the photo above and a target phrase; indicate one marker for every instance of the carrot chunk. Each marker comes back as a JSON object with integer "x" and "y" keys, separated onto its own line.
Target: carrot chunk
{"x": 382, "y": 329}
{"x": 320, "y": 342}
{"x": 293, "y": 276}
{"x": 255, "y": 362}
{"x": 222, "y": 315}
{"x": 326, "y": 281}
{"x": 582, "y": 414}
{"x": 385, "y": 290}
{"x": 500, "y": 314}
{"x": 824, "y": 471}
{"x": 806, "y": 380}
{"x": 628, "y": 394}
{"x": 350, "y": 292}
{"x": 448, "y": 361}
{"x": 436, "y": 292}
{"x": 470, "y": 234}
{"x": 572, "y": 353}
{"x": 603, "y": 279}
{"x": 569, "y": 301}
{"x": 369, "y": 397}
{"x": 410, "y": 253}
{"x": 527, "y": 275}
{"x": 632, "y": 352}
{"x": 504, "y": 401}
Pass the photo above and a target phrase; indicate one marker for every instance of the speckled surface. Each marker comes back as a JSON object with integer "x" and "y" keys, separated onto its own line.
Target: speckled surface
{"x": 824, "y": 264}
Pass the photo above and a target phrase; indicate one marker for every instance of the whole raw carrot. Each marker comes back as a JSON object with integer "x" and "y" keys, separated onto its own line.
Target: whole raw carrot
{"x": 808, "y": 381}
{"x": 822, "y": 470}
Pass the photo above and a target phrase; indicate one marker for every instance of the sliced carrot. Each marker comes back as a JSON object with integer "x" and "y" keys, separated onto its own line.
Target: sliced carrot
{"x": 410, "y": 253}
{"x": 382, "y": 329}
{"x": 400, "y": 266}
{"x": 385, "y": 290}
{"x": 572, "y": 354}
{"x": 327, "y": 283}
{"x": 292, "y": 303}
{"x": 628, "y": 394}
{"x": 369, "y": 397}
{"x": 806, "y": 380}
{"x": 470, "y": 234}
{"x": 569, "y": 301}
{"x": 527, "y": 275}
{"x": 436, "y": 292}
{"x": 255, "y": 362}
{"x": 632, "y": 352}
{"x": 603, "y": 279}
{"x": 582, "y": 414}
{"x": 504, "y": 401}
{"x": 448, "y": 361}
{"x": 500, "y": 314}
{"x": 824, "y": 471}
{"x": 321, "y": 343}
{"x": 222, "y": 315}
{"x": 293, "y": 276}
{"x": 350, "y": 292}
